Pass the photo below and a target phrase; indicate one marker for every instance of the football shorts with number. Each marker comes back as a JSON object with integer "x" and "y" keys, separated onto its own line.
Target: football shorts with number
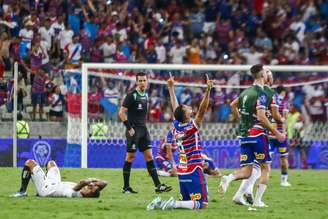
{"x": 193, "y": 186}
{"x": 254, "y": 149}
{"x": 282, "y": 147}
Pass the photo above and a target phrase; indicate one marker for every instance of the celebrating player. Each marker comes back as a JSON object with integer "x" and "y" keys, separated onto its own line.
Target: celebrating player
{"x": 193, "y": 186}
{"x": 164, "y": 159}
{"x": 275, "y": 114}
{"x": 50, "y": 185}
{"x": 254, "y": 152}
{"x": 135, "y": 105}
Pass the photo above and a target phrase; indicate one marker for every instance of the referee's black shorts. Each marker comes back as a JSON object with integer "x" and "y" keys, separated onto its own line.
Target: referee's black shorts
{"x": 140, "y": 140}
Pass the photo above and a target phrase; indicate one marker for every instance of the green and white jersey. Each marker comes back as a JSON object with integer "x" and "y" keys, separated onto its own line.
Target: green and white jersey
{"x": 250, "y": 100}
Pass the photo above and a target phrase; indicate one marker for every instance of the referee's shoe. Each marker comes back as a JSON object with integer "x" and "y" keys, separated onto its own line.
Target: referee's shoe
{"x": 163, "y": 188}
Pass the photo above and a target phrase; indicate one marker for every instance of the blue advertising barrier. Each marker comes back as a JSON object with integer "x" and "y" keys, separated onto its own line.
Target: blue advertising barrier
{"x": 103, "y": 154}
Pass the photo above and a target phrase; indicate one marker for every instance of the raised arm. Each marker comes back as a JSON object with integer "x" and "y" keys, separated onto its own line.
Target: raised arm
{"x": 90, "y": 181}
{"x": 205, "y": 102}
{"x": 173, "y": 98}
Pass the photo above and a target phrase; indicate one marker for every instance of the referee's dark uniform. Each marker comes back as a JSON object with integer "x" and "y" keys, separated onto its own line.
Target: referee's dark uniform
{"x": 137, "y": 105}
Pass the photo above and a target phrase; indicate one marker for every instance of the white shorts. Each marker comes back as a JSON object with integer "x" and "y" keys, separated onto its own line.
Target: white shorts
{"x": 45, "y": 184}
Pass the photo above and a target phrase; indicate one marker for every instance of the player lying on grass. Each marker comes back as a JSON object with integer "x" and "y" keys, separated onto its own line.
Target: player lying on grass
{"x": 164, "y": 159}
{"x": 254, "y": 151}
{"x": 50, "y": 185}
{"x": 193, "y": 186}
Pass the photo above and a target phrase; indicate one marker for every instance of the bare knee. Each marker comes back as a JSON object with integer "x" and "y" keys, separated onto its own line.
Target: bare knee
{"x": 148, "y": 155}
{"x": 31, "y": 164}
{"x": 51, "y": 164}
{"x": 130, "y": 157}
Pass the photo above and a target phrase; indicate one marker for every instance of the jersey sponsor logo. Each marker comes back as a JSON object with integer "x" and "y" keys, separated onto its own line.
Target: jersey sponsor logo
{"x": 243, "y": 157}
{"x": 41, "y": 151}
{"x": 139, "y": 106}
{"x": 282, "y": 149}
{"x": 134, "y": 147}
{"x": 195, "y": 197}
{"x": 259, "y": 156}
{"x": 262, "y": 99}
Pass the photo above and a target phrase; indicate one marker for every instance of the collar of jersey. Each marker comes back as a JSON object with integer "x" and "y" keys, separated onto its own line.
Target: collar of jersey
{"x": 141, "y": 93}
{"x": 261, "y": 86}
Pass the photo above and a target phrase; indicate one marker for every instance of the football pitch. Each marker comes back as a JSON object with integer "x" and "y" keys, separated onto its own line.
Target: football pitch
{"x": 307, "y": 198}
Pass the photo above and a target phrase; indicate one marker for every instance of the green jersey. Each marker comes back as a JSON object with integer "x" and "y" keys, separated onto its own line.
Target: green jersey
{"x": 250, "y": 100}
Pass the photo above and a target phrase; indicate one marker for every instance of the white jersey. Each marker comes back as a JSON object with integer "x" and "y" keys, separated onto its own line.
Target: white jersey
{"x": 65, "y": 189}
{"x": 50, "y": 184}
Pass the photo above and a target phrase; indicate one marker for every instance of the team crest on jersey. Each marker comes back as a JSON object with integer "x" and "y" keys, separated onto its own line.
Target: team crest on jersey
{"x": 41, "y": 152}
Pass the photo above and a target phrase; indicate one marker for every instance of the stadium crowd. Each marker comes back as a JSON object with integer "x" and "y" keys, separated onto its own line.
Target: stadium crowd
{"x": 46, "y": 37}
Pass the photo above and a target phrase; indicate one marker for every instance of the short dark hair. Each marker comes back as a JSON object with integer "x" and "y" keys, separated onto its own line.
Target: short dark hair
{"x": 140, "y": 74}
{"x": 179, "y": 114}
{"x": 280, "y": 89}
{"x": 255, "y": 70}
{"x": 95, "y": 194}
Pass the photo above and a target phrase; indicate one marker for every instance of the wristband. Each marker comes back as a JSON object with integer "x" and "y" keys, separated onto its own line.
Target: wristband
{"x": 127, "y": 124}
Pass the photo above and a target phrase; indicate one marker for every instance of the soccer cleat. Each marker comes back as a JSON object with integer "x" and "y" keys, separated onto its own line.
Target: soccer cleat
{"x": 19, "y": 194}
{"x": 224, "y": 184}
{"x": 169, "y": 204}
{"x": 163, "y": 188}
{"x": 249, "y": 198}
{"x": 129, "y": 190}
{"x": 285, "y": 184}
{"x": 239, "y": 201}
{"x": 260, "y": 204}
{"x": 155, "y": 204}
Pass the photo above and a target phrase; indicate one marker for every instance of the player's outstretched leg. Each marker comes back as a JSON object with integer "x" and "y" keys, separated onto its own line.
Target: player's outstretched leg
{"x": 245, "y": 187}
{"x": 171, "y": 203}
{"x": 157, "y": 203}
{"x": 243, "y": 173}
{"x": 25, "y": 178}
{"x": 263, "y": 183}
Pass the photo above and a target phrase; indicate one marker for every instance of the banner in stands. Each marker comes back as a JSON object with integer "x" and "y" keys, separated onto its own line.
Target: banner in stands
{"x": 111, "y": 153}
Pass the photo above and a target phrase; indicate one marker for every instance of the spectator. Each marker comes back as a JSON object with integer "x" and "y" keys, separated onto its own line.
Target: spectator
{"x": 253, "y": 56}
{"x": 160, "y": 51}
{"x": 72, "y": 52}
{"x": 38, "y": 93}
{"x": 56, "y": 101}
{"x": 108, "y": 49}
{"x": 26, "y": 34}
{"x": 177, "y": 53}
{"x": 193, "y": 52}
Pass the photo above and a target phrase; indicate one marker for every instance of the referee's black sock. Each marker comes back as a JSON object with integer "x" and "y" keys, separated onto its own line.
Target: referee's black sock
{"x": 153, "y": 172}
{"x": 26, "y": 176}
{"x": 126, "y": 173}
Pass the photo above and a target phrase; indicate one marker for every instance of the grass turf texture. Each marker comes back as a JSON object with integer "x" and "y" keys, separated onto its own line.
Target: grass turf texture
{"x": 307, "y": 198}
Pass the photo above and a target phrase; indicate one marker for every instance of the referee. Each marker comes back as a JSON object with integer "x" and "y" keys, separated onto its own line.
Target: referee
{"x": 135, "y": 105}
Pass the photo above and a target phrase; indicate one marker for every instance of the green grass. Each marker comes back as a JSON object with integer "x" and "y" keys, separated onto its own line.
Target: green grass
{"x": 307, "y": 198}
